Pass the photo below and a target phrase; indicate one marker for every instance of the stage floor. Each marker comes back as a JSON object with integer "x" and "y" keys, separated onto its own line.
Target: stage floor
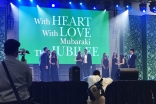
{"x": 120, "y": 92}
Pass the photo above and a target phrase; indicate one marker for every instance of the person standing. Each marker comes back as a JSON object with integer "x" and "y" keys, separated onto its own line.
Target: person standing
{"x": 54, "y": 66}
{"x": 19, "y": 72}
{"x": 131, "y": 59}
{"x": 114, "y": 64}
{"x": 105, "y": 66}
{"x": 123, "y": 63}
{"x": 48, "y": 74}
{"x": 44, "y": 62}
{"x": 79, "y": 61}
{"x": 87, "y": 63}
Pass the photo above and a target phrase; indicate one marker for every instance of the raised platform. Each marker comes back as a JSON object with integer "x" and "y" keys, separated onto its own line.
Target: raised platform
{"x": 121, "y": 92}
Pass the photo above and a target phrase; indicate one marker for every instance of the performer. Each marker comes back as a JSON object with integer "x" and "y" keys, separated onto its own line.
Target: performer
{"x": 44, "y": 64}
{"x": 87, "y": 63}
{"x": 105, "y": 66}
{"x": 123, "y": 63}
{"x": 48, "y": 74}
{"x": 79, "y": 61}
{"x": 131, "y": 59}
{"x": 114, "y": 64}
{"x": 54, "y": 66}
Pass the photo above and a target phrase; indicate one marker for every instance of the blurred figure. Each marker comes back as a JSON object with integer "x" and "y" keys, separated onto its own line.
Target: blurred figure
{"x": 131, "y": 59}
{"x": 87, "y": 63}
{"x": 79, "y": 62}
{"x": 54, "y": 66}
{"x": 114, "y": 64}
{"x": 48, "y": 74}
{"x": 92, "y": 79}
{"x": 123, "y": 63}
{"x": 19, "y": 71}
{"x": 105, "y": 66}
{"x": 44, "y": 63}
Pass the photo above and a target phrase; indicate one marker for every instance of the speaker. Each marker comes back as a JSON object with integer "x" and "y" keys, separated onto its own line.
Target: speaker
{"x": 129, "y": 74}
{"x": 74, "y": 73}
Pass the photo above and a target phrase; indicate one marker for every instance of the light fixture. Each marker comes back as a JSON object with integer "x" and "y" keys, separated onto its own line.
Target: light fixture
{"x": 143, "y": 7}
{"x": 53, "y": 5}
{"x": 153, "y": 6}
{"x": 116, "y": 3}
{"x": 128, "y": 5}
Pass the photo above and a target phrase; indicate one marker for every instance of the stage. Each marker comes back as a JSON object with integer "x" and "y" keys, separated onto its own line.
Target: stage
{"x": 120, "y": 92}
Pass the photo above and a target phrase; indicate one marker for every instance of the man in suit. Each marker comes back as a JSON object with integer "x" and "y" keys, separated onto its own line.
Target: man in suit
{"x": 48, "y": 74}
{"x": 44, "y": 63}
{"x": 131, "y": 59}
{"x": 87, "y": 63}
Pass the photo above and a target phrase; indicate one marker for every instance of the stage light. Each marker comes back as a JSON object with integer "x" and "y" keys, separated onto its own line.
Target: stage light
{"x": 94, "y": 8}
{"x": 19, "y": 0}
{"x": 127, "y": 5}
{"x": 143, "y": 7}
{"x": 37, "y": 5}
{"x": 153, "y": 6}
{"x": 80, "y": 3}
{"x": 70, "y": 2}
{"x": 31, "y": 0}
{"x": 53, "y": 5}
{"x": 116, "y": 3}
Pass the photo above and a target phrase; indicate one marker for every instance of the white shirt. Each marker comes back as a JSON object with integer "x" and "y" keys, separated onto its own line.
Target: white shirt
{"x": 130, "y": 55}
{"x": 92, "y": 79}
{"x": 85, "y": 58}
{"x": 22, "y": 78}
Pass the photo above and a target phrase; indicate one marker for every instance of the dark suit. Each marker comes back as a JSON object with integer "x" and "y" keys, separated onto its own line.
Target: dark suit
{"x": 86, "y": 66}
{"x": 44, "y": 61}
{"x": 131, "y": 61}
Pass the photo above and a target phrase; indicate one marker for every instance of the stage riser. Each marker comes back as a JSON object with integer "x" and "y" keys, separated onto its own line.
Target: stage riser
{"x": 122, "y": 92}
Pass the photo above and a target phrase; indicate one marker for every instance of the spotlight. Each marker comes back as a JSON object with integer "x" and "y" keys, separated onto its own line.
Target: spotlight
{"x": 94, "y": 8}
{"x": 80, "y": 3}
{"x": 143, "y": 7}
{"x": 53, "y": 5}
{"x": 144, "y": 11}
{"x": 70, "y": 2}
{"x": 37, "y": 5}
{"x": 116, "y": 3}
{"x": 127, "y": 5}
{"x": 31, "y": 0}
{"x": 19, "y": 0}
{"x": 117, "y": 6}
{"x": 153, "y": 6}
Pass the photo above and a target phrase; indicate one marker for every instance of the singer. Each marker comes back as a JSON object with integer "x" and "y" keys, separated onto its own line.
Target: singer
{"x": 131, "y": 59}
{"x": 105, "y": 66}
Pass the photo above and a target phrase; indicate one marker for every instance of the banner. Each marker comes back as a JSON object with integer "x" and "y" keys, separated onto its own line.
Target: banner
{"x": 65, "y": 30}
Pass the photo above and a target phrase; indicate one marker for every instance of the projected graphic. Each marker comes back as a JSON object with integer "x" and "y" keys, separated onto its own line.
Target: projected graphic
{"x": 65, "y": 30}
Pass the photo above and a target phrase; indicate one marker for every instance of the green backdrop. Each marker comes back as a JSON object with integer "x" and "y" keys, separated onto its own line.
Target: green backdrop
{"x": 65, "y": 30}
